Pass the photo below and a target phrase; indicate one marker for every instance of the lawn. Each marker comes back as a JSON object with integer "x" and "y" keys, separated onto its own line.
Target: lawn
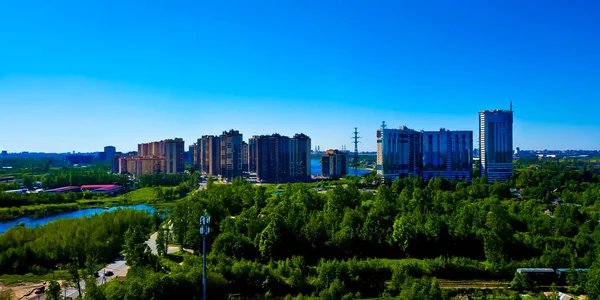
{"x": 138, "y": 196}
{"x": 11, "y": 279}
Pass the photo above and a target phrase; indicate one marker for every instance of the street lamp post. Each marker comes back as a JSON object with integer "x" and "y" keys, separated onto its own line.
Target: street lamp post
{"x": 204, "y": 231}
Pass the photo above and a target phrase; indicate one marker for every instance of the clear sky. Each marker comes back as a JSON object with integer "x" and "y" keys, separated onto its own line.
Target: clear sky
{"x": 79, "y": 75}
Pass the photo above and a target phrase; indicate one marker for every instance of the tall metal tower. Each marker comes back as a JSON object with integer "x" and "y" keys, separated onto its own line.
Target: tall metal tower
{"x": 355, "y": 139}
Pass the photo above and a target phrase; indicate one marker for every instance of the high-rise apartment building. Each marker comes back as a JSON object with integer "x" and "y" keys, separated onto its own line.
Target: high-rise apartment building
{"x": 143, "y": 149}
{"x": 109, "y": 152}
{"x": 496, "y": 144}
{"x": 152, "y": 149}
{"x": 447, "y": 154}
{"x": 141, "y": 165}
{"x": 277, "y": 158}
{"x": 174, "y": 153}
{"x": 245, "y": 158}
{"x": 191, "y": 156}
{"x": 115, "y": 163}
{"x": 300, "y": 157}
{"x": 398, "y": 152}
{"x": 272, "y": 158}
{"x": 209, "y": 155}
{"x": 231, "y": 154}
{"x": 334, "y": 164}
{"x": 252, "y": 153}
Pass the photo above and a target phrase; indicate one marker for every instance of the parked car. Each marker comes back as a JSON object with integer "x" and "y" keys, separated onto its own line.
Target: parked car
{"x": 40, "y": 289}
{"x": 108, "y": 273}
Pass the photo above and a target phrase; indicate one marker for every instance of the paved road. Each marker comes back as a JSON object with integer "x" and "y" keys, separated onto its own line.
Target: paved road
{"x": 152, "y": 243}
{"x": 118, "y": 267}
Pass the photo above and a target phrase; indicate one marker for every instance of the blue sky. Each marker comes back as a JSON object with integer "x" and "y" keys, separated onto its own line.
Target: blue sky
{"x": 79, "y": 75}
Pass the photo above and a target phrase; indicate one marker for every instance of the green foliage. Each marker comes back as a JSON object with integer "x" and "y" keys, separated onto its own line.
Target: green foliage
{"x": 421, "y": 288}
{"x": 53, "y": 292}
{"x": 520, "y": 282}
{"x": 24, "y": 249}
{"x": 592, "y": 287}
{"x": 137, "y": 253}
{"x": 269, "y": 239}
{"x": 161, "y": 242}
{"x": 80, "y": 176}
{"x": 301, "y": 241}
{"x": 92, "y": 291}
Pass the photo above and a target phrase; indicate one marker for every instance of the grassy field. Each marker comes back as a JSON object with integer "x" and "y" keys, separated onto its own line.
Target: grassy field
{"x": 12, "y": 279}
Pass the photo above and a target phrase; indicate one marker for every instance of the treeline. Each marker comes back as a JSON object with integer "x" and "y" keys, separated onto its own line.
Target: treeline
{"x": 17, "y": 200}
{"x": 65, "y": 177}
{"x": 164, "y": 179}
{"x": 38, "y": 250}
{"x": 26, "y": 165}
{"x": 410, "y": 218}
{"x": 36, "y": 211}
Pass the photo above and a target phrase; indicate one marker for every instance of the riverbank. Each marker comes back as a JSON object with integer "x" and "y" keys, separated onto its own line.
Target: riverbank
{"x": 140, "y": 196}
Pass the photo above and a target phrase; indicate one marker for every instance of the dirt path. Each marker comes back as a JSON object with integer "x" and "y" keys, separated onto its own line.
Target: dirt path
{"x": 472, "y": 284}
{"x": 21, "y": 289}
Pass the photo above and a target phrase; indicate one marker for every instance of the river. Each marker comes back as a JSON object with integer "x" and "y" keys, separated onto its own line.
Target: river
{"x": 315, "y": 168}
{"x": 29, "y": 222}
{"x": 315, "y": 165}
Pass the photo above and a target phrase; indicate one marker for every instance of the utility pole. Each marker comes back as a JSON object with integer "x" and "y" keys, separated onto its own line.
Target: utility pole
{"x": 355, "y": 139}
{"x": 204, "y": 231}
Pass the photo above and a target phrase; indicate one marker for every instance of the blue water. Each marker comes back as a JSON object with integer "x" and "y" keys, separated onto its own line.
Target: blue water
{"x": 315, "y": 168}
{"x": 4, "y": 226}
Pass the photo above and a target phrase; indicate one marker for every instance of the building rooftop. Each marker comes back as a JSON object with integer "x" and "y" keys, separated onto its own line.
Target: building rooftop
{"x": 99, "y": 186}
{"x": 64, "y": 189}
{"x": 497, "y": 110}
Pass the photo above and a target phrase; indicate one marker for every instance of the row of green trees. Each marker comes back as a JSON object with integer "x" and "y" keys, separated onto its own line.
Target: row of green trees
{"x": 65, "y": 177}
{"x": 41, "y": 249}
{"x": 480, "y": 222}
{"x": 17, "y": 200}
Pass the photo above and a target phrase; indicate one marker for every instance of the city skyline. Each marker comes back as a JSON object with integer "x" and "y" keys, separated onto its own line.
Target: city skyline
{"x": 78, "y": 77}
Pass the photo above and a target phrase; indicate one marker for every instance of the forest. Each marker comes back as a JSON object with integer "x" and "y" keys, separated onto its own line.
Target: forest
{"x": 349, "y": 240}
{"x": 39, "y": 250}
{"x": 348, "y": 243}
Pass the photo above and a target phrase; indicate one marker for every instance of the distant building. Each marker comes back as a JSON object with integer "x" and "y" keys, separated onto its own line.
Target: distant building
{"x": 398, "y": 152}
{"x": 79, "y": 159}
{"x": 231, "y": 154}
{"x": 115, "y": 162}
{"x": 109, "y": 152}
{"x": 272, "y": 158}
{"x": 447, "y": 154}
{"x": 141, "y": 165}
{"x": 209, "y": 155}
{"x": 496, "y": 144}
{"x": 190, "y": 155}
{"x": 143, "y": 149}
{"x": 174, "y": 154}
{"x": 4, "y": 152}
{"x": 245, "y": 158}
{"x": 277, "y": 158}
{"x": 152, "y": 149}
{"x": 300, "y": 160}
{"x": 102, "y": 156}
{"x": 334, "y": 164}
{"x": 252, "y": 153}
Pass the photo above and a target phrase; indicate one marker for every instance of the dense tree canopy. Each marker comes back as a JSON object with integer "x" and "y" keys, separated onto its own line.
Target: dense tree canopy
{"x": 37, "y": 250}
